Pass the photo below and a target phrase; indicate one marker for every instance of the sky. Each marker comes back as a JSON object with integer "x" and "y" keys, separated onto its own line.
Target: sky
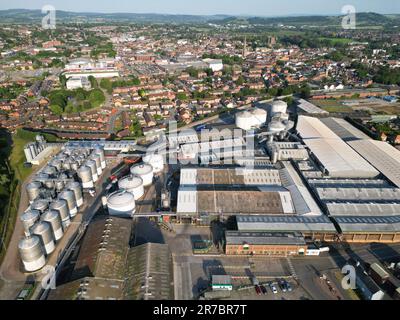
{"x": 207, "y": 7}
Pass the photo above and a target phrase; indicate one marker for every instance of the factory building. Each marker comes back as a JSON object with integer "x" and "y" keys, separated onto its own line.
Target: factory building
{"x": 283, "y": 151}
{"x": 305, "y": 107}
{"x": 344, "y": 129}
{"x": 265, "y": 243}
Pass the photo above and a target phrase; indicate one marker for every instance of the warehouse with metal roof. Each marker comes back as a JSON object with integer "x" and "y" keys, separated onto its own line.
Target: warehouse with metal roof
{"x": 344, "y": 129}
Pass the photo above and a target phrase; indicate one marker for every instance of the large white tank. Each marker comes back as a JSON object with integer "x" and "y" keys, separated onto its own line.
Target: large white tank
{"x": 156, "y": 161}
{"x": 85, "y": 174}
{"x": 76, "y": 188}
{"x": 245, "y": 120}
{"x": 144, "y": 171}
{"x": 29, "y": 218}
{"x": 54, "y": 219}
{"x": 121, "y": 203}
{"x": 32, "y": 254}
{"x": 96, "y": 158}
{"x": 100, "y": 152}
{"x": 132, "y": 184}
{"x": 278, "y": 106}
{"x": 93, "y": 167}
{"x": 276, "y": 127}
{"x": 61, "y": 206}
{"x": 43, "y": 230}
{"x": 40, "y": 205}
{"x": 69, "y": 196}
{"x": 33, "y": 190}
{"x": 260, "y": 115}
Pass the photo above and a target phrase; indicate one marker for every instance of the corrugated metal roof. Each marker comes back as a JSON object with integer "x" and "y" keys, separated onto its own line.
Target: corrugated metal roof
{"x": 340, "y": 193}
{"x": 264, "y": 238}
{"x": 344, "y": 129}
{"x": 363, "y": 209}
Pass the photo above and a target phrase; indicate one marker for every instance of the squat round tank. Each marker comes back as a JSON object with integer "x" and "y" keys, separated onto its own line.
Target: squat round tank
{"x": 278, "y": 106}
{"x": 33, "y": 190}
{"x": 29, "y": 218}
{"x": 69, "y": 196}
{"x": 132, "y": 184}
{"x": 32, "y": 254}
{"x": 156, "y": 161}
{"x": 54, "y": 219}
{"x": 61, "y": 206}
{"x": 85, "y": 174}
{"x": 93, "y": 168}
{"x": 40, "y": 205}
{"x": 121, "y": 203}
{"x": 43, "y": 230}
{"x": 75, "y": 187}
{"x": 144, "y": 171}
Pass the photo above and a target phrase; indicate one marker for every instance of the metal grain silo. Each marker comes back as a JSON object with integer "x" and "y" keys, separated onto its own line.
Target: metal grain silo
{"x": 144, "y": 171}
{"x": 61, "y": 206}
{"x": 54, "y": 219}
{"x": 56, "y": 164}
{"x": 100, "y": 152}
{"x": 59, "y": 185}
{"x": 74, "y": 165}
{"x": 75, "y": 187}
{"x": 50, "y": 170}
{"x": 28, "y": 219}
{"x": 132, "y": 184}
{"x": 43, "y": 230}
{"x": 40, "y": 205}
{"x": 85, "y": 174}
{"x": 96, "y": 158}
{"x": 69, "y": 196}
{"x": 93, "y": 167}
{"x": 32, "y": 253}
{"x": 33, "y": 190}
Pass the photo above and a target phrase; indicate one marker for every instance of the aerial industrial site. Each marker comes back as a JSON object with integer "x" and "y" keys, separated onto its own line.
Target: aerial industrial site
{"x": 168, "y": 157}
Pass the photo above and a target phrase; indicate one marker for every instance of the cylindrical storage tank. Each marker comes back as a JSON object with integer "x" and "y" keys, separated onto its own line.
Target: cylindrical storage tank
{"x": 260, "y": 115}
{"x": 29, "y": 218}
{"x": 75, "y": 187}
{"x": 100, "y": 152}
{"x": 85, "y": 174}
{"x": 276, "y": 127}
{"x": 96, "y": 158}
{"x": 69, "y": 196}
{"x": 93, "y": 167}
{"x": 144, "y": 171}
{"x": 40, "y": 205}
{"x": 278, "y": 106}
{"x": 61, "y": 206}
{"x": 156, "y": 161}
{"x": 49, "y": 184}
{"x": 121, "y": 203}
{"x": 59, "y": 184}
{"x": 132, "y": 184}
{"x": 33, "y": 190}
{"x": 74, "y": 165}
{"x": 245, "y": 120}
{"x": 43, "y": 230}
{"x": 54, "y": 219}
{"x": 32, "y": 254}
{"x": 56, "y": 164}
{"x": 50, "y": 170}
{"x": 41, "y": 177}
{"x": 67, "y": 164}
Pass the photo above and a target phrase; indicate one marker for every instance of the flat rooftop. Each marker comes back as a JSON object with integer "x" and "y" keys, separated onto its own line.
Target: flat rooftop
{"x": 344, "y": 129}
{"x": 264, "y": 238}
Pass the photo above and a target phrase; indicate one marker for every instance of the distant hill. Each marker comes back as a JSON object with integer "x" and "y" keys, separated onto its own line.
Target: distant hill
{"x": 35, "y": 16}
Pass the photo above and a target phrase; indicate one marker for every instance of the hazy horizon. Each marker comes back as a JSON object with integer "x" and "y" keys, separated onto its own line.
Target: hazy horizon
{"x": 262, "y": 8}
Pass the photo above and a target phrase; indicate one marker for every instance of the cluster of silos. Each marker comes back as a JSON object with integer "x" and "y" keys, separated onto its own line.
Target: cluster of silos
{"x": 279, "y": 123}
{"x": 254, "y": 119}
{"x": 92, "y": 168}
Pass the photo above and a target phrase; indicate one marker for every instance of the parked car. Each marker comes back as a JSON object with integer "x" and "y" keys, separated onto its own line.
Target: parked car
{"x": 258, "y": 290}
{"x": 282, "y": 285}
{"x": 289, "y": 287}
{"x": 273, "y": 288}
{"x": 263, "y": 289}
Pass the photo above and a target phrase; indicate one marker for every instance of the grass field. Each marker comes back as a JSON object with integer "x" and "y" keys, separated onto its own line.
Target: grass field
{"x": 331, "y": 106}
{"x": 334, "y": 41}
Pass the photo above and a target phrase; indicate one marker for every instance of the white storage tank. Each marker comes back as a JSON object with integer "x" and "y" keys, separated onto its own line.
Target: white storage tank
{"x": 156, "y": 161}
{"x": 144, "y": 171}
{"x": 54, "y": 219}
{"x": 96, "y": 158}
{"x": 61, "y": 206}
{"x": 132, "y": 184}
{"x": 33, "y": 190}
{"x": 93, "y": 168}
{"x": 59, "y": 184}
{"x": 40, "y": 205}
{"x": 32, "y": 254}
{"x": 245, "y": 120}
{"x": 69, "y": 196}
{"x": 121, "y": 203}
{"x": 85, "y": 174}
{"x": 76, "y": 188}
{"x": 43, "y": 230}
{"x": 100, "y": 152}
{"x": 29, "y": 218}
{"x": 260, "y": 115}
{"x": 276, "y": 127}
{"x": 278, "y": 106}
